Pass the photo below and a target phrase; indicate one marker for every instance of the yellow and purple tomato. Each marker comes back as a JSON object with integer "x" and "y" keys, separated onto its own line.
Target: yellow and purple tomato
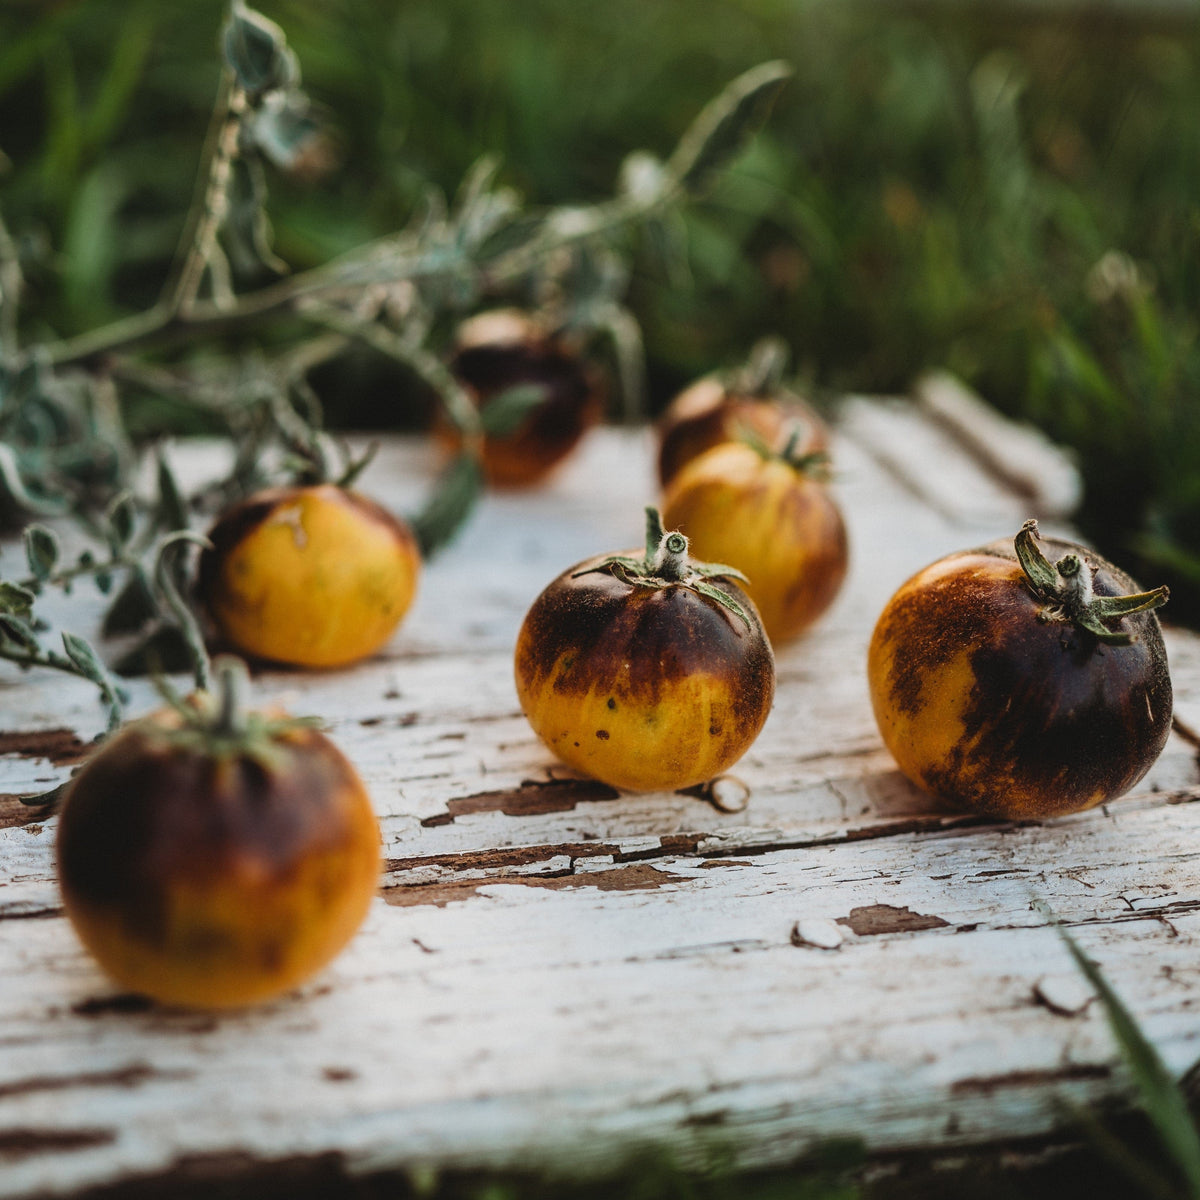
{"x": 313, "y": 576}
{"x": 710, "y": 413}
{"x": 1022, "y": 695}
{"x": 769, "y": 517}
{"x": 644, "y": 680}
{"x": 211, "y": 877}
{"x": 504, "y": 349}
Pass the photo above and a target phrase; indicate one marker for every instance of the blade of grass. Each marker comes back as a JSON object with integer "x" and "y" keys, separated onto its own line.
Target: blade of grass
{"x": 1161, "y": 1096}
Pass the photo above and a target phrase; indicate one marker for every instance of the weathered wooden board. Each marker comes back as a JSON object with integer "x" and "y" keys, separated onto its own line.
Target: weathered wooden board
{"x": 555, "y": 977}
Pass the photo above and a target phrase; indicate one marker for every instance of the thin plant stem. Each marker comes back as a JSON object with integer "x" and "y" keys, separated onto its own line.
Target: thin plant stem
{"x": 203, "y": 253}
{"x": 60, "y": 662}
{"x": 189, "y": 626}
{"x": 374, "y": 262}
{"x": 70, "y": 574}
{"x": 459, "y": 406}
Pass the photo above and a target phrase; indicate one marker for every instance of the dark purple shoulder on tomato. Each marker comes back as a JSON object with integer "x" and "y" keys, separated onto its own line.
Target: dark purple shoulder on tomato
{"x": 234, "y": 526}
{"x": 670, "y": 632}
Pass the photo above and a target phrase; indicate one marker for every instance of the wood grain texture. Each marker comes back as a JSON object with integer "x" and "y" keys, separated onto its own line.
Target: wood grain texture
{"x": 556, "y": 975}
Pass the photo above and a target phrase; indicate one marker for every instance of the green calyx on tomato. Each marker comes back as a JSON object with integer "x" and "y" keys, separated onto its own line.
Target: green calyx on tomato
{"x": 217, "y": 722}
{"x": 1065, "y": 587}
{"x": 666, "y": 563}
{"x": 813, "y": 464}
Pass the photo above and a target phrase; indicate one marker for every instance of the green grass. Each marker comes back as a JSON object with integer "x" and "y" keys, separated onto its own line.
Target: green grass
{"x": 936, "y": 188}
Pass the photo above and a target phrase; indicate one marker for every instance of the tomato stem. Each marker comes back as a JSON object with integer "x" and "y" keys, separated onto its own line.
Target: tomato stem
{"x": 1066, "y": 589}
{"x": 671, "y": 559}
{"x": 232, "y": 683}
{"x": 666, "y": 562}
{"x": 763, "y": 372}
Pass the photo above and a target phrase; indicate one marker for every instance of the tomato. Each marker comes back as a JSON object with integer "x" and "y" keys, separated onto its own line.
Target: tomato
{"x": 712, "y": 411}
{"x": 313, "y": 576}
{"x": 647, "y": 672}
{"x": 504, "y": 349}
{"x": 770, "y": 516}
{"x": 216, "y": 869}
{"x": 1021, "y": 688}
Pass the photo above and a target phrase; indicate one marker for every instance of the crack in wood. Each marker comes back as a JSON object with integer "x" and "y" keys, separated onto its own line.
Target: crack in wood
{"x": 987, "y": 1084}
{"x": 672, "y": 844}
{"x": 679, "y": 844}
{"x": 14, "y": 812}
{"x": 41, "y": 913}
{"x": 123, "y": 1077}
{"x": 533, "y": 798}
{"x": 514, "y": 856}
{"x": 401, "y": 722}
{"x": 635, "y": 877}
{"x": 59, "y": 746}
{"x": 21, "y": 1143}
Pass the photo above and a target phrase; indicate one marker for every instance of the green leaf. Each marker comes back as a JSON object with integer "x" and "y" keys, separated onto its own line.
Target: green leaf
{"x": 12, "y": 483}
{"x": 247, "y": 231}
{"x": 86, "y": 660}
{"x": 256, "y": 51}
{"x": 1088, "y": 621}
{"x": 121, "y": 518}
{"x": 41, "y": 550}
{"x": 1039, "y": 570}
{"x": 133, "y": 606}
{"x": 48, "y": 799}
{"x": 1149, "y": 1184}
{"x": 619, "y": 564}
{"x": 504, "y": 412}
{"x": 1161, "y": 1096}
{"x": 516, "y": 234}
{"x": 284, "y": 127}
{"x": 164, "y": 651}
{"x": 452, "y": 501}
{"x": 19, "y": 630}
{"x": 718, "y": 570}
{"x": 87, "y": 663}
{"x": 1108, "y": 608}
{"x": 15, "y": 599}
{"x": 355, "y": 466}
{"x": 722, "y": 597}
{"x": 725, "y": 125}
{"x": 172, "y": 508}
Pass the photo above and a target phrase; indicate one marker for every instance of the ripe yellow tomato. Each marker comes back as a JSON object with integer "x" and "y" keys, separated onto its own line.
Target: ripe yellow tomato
{"x": 312, "y": 576}
{"x": 215, "y": 874}
{"x": 711, "y": 412}
{"x": 648, "y": 673}
{"x": 767, "y": 516}
{"x": 504, "y": 349}
{"x": 1020, "y": 688}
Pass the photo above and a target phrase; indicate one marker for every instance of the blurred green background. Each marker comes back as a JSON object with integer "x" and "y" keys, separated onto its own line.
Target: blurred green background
{"x": 1008, "y": 190}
